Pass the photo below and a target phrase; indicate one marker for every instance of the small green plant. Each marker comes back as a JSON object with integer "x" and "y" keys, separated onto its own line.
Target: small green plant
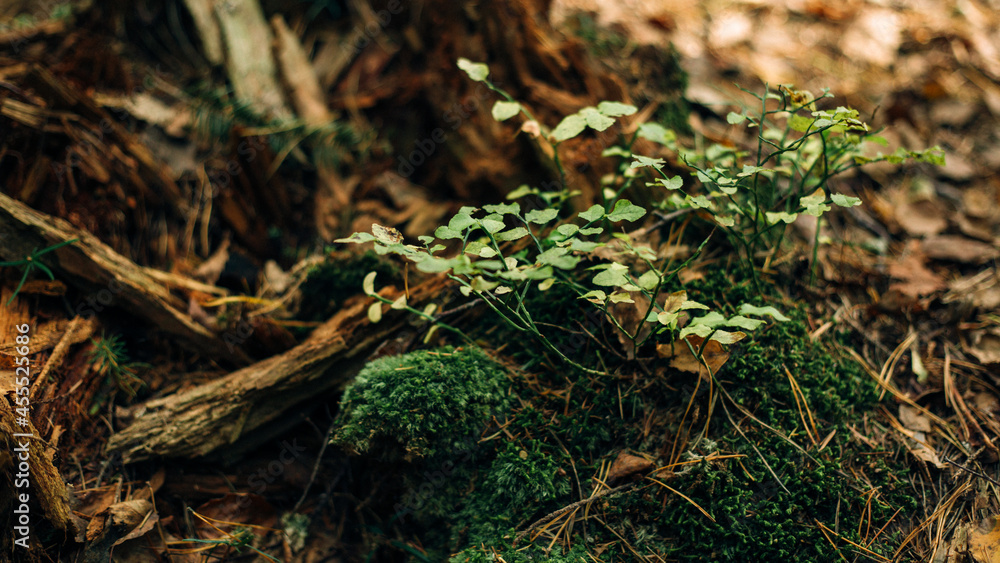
{"x": 424, "y": 402}
{"x": 110, "y": 359}
{"x": 30, "y": 262}
{"x": 754, "y": 197}
{"x": 505, "y": 254}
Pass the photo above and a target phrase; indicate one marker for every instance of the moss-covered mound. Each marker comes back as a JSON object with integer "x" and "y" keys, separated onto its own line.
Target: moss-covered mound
{"x": 418, "y": 404}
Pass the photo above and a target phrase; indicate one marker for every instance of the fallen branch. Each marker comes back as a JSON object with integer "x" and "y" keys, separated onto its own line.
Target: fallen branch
{"x": 200, "y": 420}
{"x": 112, "y": 279}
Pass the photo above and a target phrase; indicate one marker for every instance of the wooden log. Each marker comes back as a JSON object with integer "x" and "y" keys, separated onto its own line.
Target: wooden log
{"x": 198, "y": 421}
{"x": 95, "y": 267}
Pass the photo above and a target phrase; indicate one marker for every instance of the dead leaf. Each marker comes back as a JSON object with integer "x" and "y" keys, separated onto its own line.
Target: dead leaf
{"x": 916, "y": 278}
{"x": 681, "y": 357}
{"x": 913, "y": 419}
{"x": 626, "y": 465}
{"x": 984, "y": 541}
{"x": 922, "y": 218}
{"x": 985, "y": 345}
{"x": 956, "y": 248}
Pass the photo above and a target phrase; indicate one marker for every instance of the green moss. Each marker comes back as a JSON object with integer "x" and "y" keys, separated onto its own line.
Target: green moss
{"x": 330, "y": 283}
{"x": 422, "y": 403}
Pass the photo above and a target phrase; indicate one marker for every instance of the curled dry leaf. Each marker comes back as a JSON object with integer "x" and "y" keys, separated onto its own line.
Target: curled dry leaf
{"x": 626, "y": 465}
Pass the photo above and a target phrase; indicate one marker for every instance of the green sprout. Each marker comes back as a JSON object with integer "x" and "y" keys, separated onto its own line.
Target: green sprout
{"x": 30, "y": 262}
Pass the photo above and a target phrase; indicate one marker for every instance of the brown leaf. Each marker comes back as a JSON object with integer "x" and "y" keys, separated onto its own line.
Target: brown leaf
{"x": 681, "y": 357}
{"x": 916, "y": 278}
{"x": 984, "y": 541}
{"x": 913, "y": 419}
{"x": 626, "y": 465}
{"x": 985, "y": 345}
{"x": 922, "y": 218}
{"x": 956, "y": 248}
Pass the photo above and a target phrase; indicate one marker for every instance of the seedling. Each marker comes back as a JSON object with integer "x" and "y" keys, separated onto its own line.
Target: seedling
{"x": 30, "y": 262}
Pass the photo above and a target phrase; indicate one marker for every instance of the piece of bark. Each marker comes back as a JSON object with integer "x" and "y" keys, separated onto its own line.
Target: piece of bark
{"x": 94, "y": 266}
{"x": 198, "y": 421}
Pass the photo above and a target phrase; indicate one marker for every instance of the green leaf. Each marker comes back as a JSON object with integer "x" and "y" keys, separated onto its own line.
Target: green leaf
{"x": 712, "y": 319}
{"x": 595, "y": 119}
{"x": 567, "y": 230}
{"x": 503, "y": 111}
{"x": 725, "y": 337}
{"x": 668, "y": 319}
{"x": 357, "y": 238}
{"x": 625, "y": 211}
{"x": 480, "y": 284}
{"x": 749, "y": 170}
{"x": 399, "y": 304}
{"x": 541, "y": 216}
{"x": 700, "y": 330}
{"x": 592, "y": 231}
{"x": 649, "y": 280}
{"x": 688, "y": 305}
{"x": 725, "y": 220}
{"x": 503, "y": 208}
{"x": 614, "y": 109}
{"x": 521, "y": 191}
{"x": 657, "y": 133}
{"x": 491, "y": 225}
{"x": 699, "y": 201}
{"x": 844, "y": 200}
{"x": 460, "y": 222}
{"x": 476, "y": 71}
{"x": 369, "y": 283}
{"x": 558, "y": 257}
{"x": 733, "y": 118}
{"x": 443, "y": 232}
{"x": 375, "y": 312}
{"x": 569, "y": 127}
{"x": 674, "y": 183}
{"x": 595, "y": 296}
{"x": 613, "y": 276}
{"x": 578, "y": 245}
{"x": 595, "y": 213}
{"x": 546, "y": 284}
{"x": 745, "y": 323}
{"x": 814, "y": 204}
{"x": 774, "y": 217}
{"x": 641, "y": 161}
{"x": 620, "y": 297}
{"x": 747, "y": 309}
{"x": 799, "y": 123}
{"x": 513, "y": 234}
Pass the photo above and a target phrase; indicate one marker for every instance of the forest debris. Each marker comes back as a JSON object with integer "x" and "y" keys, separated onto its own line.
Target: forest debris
{"x": 333, "y": 193}
{"x": 627, "y": 465}
{"x": 47, "y": 485}
{"x": 984, "y": 541}
{"x": 916, "y": 279}
{"x": 681, "y": 357}
{"x": 208, "y": 29}
{"x": 984, "y": 344}
{"x": 198, "y": 421}
{"x": 955, "y": 248}
{"x": 116, "y": 524}
{"x": 94, "y": 266}
{"x": 249, "y": 63}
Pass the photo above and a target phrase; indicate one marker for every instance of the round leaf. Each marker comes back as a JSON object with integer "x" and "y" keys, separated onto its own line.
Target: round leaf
{"x": 503, "y": 111}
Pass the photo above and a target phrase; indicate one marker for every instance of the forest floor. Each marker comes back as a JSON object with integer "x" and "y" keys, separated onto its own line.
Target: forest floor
{"x": 204, "y": 370}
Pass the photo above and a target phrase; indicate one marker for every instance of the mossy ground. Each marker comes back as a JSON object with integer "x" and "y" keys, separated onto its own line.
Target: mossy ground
{"x": 769, "y": 488}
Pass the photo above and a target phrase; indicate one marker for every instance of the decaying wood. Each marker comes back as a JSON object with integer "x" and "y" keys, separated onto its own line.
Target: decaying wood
{"x": 93, "y": 266}
{"x": 200, "y": 420}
